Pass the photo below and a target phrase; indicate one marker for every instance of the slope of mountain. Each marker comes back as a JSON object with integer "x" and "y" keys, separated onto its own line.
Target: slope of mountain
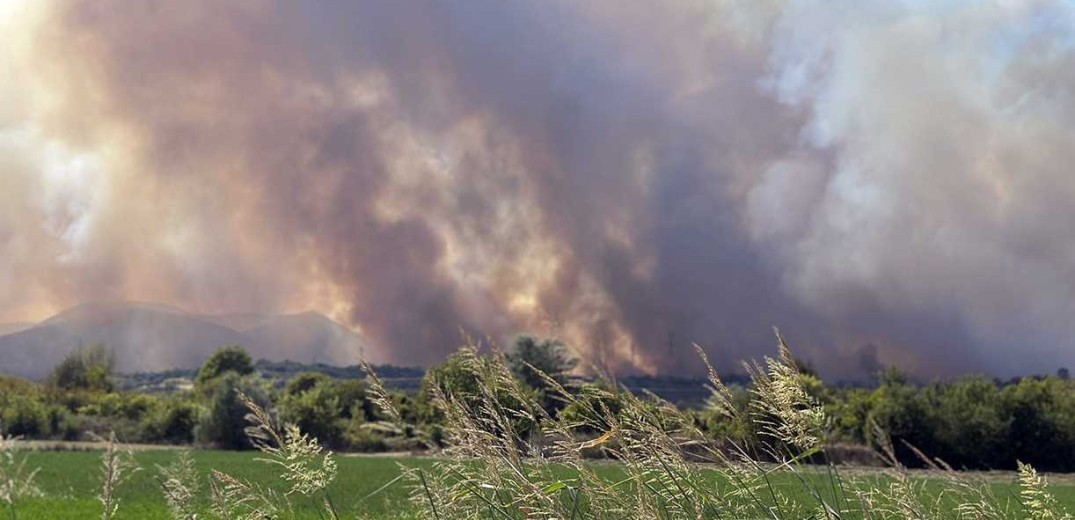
{"x": 239, "y": 321}
{"x": 147, "y": 337}
{"x": 326, "y": 341}
{"x": 11, "y": 328}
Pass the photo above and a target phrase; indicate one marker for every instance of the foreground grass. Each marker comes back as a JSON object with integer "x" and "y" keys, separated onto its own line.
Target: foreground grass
{"x": 71, "y": 482}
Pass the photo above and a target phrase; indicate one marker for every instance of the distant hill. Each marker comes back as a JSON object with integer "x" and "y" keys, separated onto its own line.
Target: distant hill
{"x": 11, "y": 328}
{"x": 239, "y": 321}
{"x": 276, "y": 337}
{"x": 149, "y": 337}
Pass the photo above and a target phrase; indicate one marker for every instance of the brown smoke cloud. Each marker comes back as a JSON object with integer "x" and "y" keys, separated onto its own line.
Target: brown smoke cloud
{"x": 884, "y": 181}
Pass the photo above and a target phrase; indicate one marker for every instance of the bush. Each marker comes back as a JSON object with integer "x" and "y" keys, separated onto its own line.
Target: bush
{"x": 11, "y": 386}
{"x": 305, "y": 381}
{"x": 223, "y": 424}
{"x": 66, "y": 425}
{"x": 173, "y": 423}
{"x": 358, "y": 437}
{"x": 25, "y": 417}
{"x": 352, "y": 395}
{"x": 122, "y": 406}
{"x": 317, "y": 411}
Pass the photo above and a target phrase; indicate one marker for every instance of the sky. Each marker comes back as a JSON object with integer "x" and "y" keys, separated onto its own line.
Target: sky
{"x": 889, "y": 182}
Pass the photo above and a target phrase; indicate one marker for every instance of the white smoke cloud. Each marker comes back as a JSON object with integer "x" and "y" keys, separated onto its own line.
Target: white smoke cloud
{"x": 947, "y": 191}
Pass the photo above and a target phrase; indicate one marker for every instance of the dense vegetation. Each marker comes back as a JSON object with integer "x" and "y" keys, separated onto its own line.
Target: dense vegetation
{"x": 517, "y": 437}
{"x": 970, "y": 422}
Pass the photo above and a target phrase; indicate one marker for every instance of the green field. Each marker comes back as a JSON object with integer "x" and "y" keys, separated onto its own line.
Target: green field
{"x": 71, "y": 481}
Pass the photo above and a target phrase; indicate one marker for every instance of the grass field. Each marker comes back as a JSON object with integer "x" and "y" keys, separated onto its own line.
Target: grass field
{"x": 71, "y": 481}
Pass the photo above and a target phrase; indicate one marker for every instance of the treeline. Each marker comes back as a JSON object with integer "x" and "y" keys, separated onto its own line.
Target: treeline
{"x": 81, "y": 401}
{"x": 970, "y": 422}
{"x": 169, "y": 380}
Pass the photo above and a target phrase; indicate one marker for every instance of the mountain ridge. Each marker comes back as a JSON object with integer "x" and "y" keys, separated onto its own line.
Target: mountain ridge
{"x": 148, "y": 337}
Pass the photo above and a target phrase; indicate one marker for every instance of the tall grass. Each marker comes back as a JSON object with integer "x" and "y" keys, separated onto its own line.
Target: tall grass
{"x": 507, "y": 457}
{"x": 16, "y": 480}
{"x": 303, "y": 467}
{"x": 117, "y": 465}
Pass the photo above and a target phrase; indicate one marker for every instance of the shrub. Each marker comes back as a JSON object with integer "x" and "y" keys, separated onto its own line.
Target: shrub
{"x": 317, "y": 411}
{"x": 358, "y": 437}
{"x": 25, "y": 417}
{"x": 305, "y": 381}
{"x": 122, "y": 406}
{"x": 352, "y": 395}
{"x": 172, "y": 423}
{"x": 223, "y": 423}
{"x": 67, "y": 425}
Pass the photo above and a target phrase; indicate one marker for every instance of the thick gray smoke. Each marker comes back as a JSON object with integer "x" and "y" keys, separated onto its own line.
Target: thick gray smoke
{"x": 889, "y": 182}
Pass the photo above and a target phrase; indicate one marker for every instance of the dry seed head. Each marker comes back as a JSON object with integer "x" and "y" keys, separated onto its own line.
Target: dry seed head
{"x": 1038, "y": 502}
{"x": 179, "y": 483}
{"x": 783, "y": 408}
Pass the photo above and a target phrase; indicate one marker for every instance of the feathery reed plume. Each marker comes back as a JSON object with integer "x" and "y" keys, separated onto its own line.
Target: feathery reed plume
{"x": 379, "y": 396}
{"x": 117, "y": 466}
{"x": 306, "y": 467}
{"x": 179, "y": 483}
{"x": 237, "y": 500}
{"x": 16, "y": 481}
{"x": 782, "y": 408}
{"x": 720, "y": 399}
{"x": 1038, "y": 502}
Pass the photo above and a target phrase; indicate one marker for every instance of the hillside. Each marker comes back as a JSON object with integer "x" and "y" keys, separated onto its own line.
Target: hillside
{"x": 147, "y": 337}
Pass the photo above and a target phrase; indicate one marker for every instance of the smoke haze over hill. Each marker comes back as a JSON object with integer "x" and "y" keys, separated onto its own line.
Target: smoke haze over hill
{"x": 889, "y": 182}
{"x": 147, "y": 337}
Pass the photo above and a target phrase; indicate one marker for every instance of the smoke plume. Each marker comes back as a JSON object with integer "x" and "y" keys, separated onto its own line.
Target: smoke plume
{"x": 886, "y": 181}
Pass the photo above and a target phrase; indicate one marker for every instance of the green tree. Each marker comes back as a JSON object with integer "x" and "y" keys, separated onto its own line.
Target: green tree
{"x": 87, "y": 368}
{"x": 317, "y": 411}
{"x": 231, "y": 358}
{"x": 1042, "y": 413}
{"x": 968, "y": 422}
{"x": 223, "y": 424}
{"x": 905, "y": 416}
{"x": 305, "y": 381}
{"x": 456, "y": 376}
{"x": 549, "y": 356}
{"x": 530, "y": 357}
